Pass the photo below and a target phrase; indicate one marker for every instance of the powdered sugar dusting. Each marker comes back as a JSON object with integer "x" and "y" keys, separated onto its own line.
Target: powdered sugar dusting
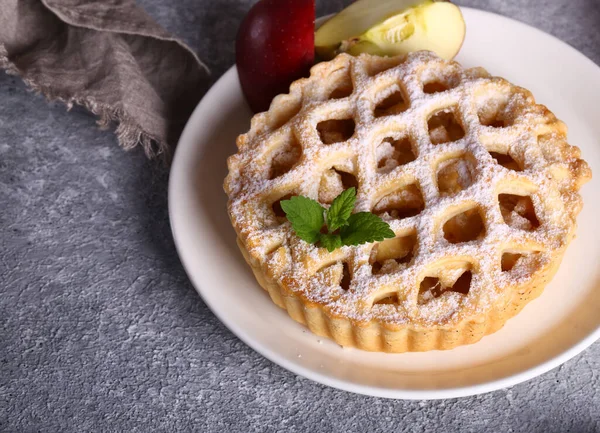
{"x": 446, "y": 170}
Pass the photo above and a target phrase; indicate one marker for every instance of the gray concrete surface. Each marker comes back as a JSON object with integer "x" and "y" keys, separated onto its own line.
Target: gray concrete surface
{"x": 100, "y": 329}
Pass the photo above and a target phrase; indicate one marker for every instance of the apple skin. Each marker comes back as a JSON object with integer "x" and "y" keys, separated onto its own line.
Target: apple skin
{"x": 274, "y": 47}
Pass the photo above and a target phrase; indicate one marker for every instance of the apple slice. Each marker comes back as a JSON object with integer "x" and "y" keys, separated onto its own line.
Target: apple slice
{"x": 274, "y": 47}
{"x": 393, "y": 27}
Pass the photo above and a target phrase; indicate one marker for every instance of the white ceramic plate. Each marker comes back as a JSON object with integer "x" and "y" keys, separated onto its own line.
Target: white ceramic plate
{"x": 549, "y": 331}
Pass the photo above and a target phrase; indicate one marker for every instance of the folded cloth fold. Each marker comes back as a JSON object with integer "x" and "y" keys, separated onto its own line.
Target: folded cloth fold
{"x": 110, "y": 57}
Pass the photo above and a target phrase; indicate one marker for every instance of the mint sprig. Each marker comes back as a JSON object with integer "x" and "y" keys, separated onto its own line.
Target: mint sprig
{"x": 330, "y": 241}
{"x": 306, "y": 216}
{"x": 341, "y": 209}
{"x": 331, "y": 228}
{"x": 365, "y": 227}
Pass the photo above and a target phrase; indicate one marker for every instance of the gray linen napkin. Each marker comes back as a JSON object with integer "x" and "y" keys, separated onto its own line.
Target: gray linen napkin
{"x": 108, "y": 56}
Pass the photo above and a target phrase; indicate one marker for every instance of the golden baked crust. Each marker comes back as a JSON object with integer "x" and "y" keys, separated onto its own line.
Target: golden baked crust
{"x": 476, "y": 180}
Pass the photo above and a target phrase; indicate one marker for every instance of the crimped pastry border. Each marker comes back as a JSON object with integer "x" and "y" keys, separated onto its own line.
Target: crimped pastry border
{"x": 375, "y": 336}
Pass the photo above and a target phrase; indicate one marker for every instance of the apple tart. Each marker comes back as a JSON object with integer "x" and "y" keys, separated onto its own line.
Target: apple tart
{"x": 476, "y": 180}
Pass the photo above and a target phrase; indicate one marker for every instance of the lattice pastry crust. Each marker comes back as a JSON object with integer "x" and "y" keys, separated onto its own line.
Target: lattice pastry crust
{"x": 476, "y": 180}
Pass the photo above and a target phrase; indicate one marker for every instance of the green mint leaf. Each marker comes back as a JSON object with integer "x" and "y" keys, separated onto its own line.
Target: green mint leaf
{"x": 306, "y": 216}
{"x": 341, "y": 209}
{"x": 365, "y": 227}
{"x": 329, "y": 241}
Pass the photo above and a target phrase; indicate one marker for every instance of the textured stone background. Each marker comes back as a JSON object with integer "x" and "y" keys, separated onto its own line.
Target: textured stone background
{"x": 100, "y": 330}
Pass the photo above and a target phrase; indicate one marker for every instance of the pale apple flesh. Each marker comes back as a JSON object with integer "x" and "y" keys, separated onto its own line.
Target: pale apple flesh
{"x": 428, "y": 25}
{"x": 359, "y": 17}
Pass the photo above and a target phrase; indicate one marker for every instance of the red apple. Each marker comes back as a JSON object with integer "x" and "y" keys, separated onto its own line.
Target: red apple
{"x": 274, "y": 47}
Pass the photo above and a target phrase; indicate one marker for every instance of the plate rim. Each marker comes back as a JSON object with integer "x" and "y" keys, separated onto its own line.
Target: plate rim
{"x": 375, "y": 391}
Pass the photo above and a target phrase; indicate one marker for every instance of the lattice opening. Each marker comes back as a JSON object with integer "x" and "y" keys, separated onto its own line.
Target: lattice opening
{"x": 394, "y": 153}
{"x": 509, "y": 260}
{"x": 336, "y": 273}
{"x": 494, "y": 113}
{"x": 506, "y": 161}
{"x": 383, "y": 64}
{"x": 518, "y": 211}
{"x": 343, "y": 87}
{"x": 396, "y": 103}
{"x": 435, "y": 87}
{"x": 389, "y": 299}
{"x": 444, "y": 127}
{"x": 336, "y": 130}
{"x": 402, "y": 203}
{"x": 528, "y": 261}
{"x": 346, "y": 277}
{"x": 333, "y": 182}
{"x": 463, "y": 284}
{"x": 455, "y": 174}
{"x": 464, "y": 227}
{"x": 389, "y": 255}
{"x": 287, "y": 111}
{"x": 285, "y": 158}
{"x": 434, "y": 287}
{"x": 343, "y": 91}
{"x": 273, "y": 247}
{"x": 431, "y": 286}
{"x": 435, "y": 81}
{"x": 277, "y": 209}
